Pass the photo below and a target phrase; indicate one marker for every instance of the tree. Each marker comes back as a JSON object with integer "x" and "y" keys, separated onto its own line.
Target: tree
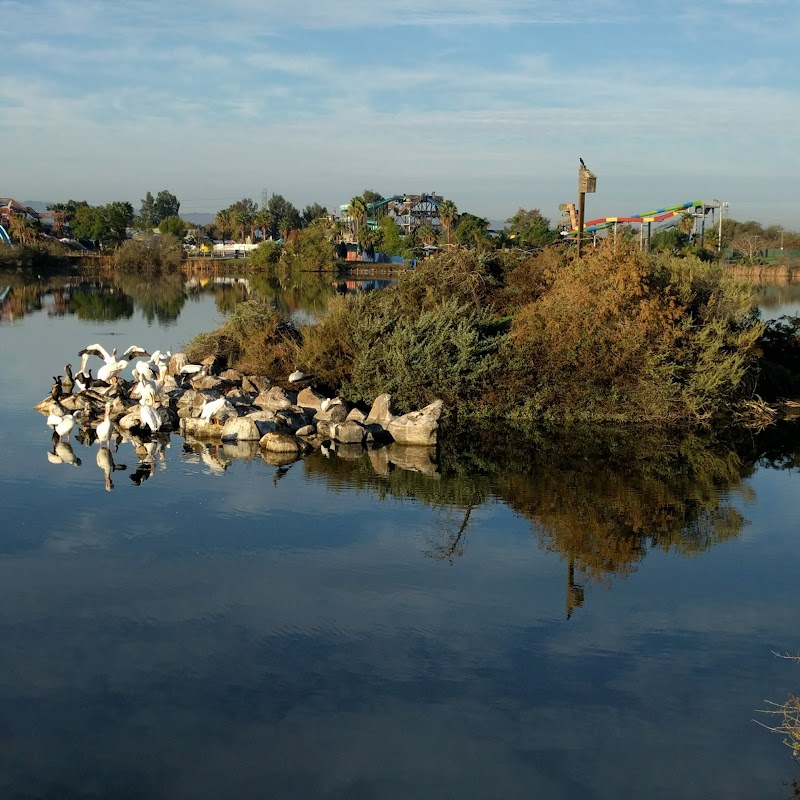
{"x": 285, "y": 217}
{"x": 358, "y": 211}
{"x": 471, "y": 231}
{"x": 425, "y": 234}
{"x": 391, "y": 240}
{"x": 147, "y": 213}
{"x": 21, "y": 229}
{"x": 447, "y": 215}
{"x": 313, "y": 212}
{"x": 530, "y": 228}
{"x": 749, "y": 240}
{"x": 263, "y": 220}
{"x": 174, "y": 226}
{"x": 105, "y": 224}
{"x": 371, "y": 196}
{"x": 166, "y": 205}
{"x": 224, "y": 223}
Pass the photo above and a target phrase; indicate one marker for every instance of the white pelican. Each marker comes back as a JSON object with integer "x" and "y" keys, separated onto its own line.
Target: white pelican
{"x": 104, "y": 428}
{"x": 150, "y": 418}
{"x": 100, "y": 351}
{"x": 109, "y": 370}
{"x": 297, "y": 375}
{"x": 134, "y": 351}
{"x": 63, "y": 425}
{"x": 213, "y": 407}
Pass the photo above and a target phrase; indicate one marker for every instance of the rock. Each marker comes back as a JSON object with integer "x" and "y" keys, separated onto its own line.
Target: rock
{"x": 348, "y": 452}
{"x": 255, "y": 384}
{"x": 306, "y": 431}
{"x": 291, "y": 418}
{"x": 274, "y": 399}
{"x": 195, "y": 398}
{"x": 350, "y": 432}
{"x": 279, "y": 459}
{"x": 206, "y": 382}
{"x": 232, "y": 375}
{"x": 380, "y": 413}
{"x": 310, "y": 398}
{"x": 336, "y": 412}
{"x": 264, "y": 420}
{"x": 280, "y": 442}
{"x": 357, "y": 415}
{"x": 324, "y": 428}
{"x": 240, "y": 429}
{"x": 417, "y": 427}
{"x": 201, "y": 428}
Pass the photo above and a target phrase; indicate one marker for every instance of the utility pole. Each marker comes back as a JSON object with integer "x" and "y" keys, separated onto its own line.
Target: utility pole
{"x": 587, "y": 183}
{"x": 721, "y": 206}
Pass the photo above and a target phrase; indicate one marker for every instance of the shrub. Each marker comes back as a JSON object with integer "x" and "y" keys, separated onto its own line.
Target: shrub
{"x": 150, "y": 255}
{"x": 266, "y": 255}
{"x": 254, "y": 339}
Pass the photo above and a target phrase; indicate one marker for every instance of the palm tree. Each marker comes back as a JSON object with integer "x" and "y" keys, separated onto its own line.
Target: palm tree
{"x": 447, "y": 215}
{"x": 358, "y": 210}
{"x": 224, "y": 222}
{"x": 263, "y": 219}
{"x": 21, "y": 229}
{"x": 686, "y": 223}
{"x": 243, "y": 220}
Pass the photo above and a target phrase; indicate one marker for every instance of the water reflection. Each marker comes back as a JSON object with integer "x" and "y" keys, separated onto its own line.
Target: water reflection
{"x": 160, "y": 301}
{"x": 655, "y": 490}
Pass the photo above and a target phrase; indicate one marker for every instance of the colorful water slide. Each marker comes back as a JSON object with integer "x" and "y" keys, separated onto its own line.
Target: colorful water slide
{"x": 657, "y": 215}
{"x": 4, "y": 237}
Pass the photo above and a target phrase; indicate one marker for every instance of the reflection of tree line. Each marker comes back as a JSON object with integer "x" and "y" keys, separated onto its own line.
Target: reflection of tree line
{"x": 601, "y": 500}
{"x": 163, "y": 299}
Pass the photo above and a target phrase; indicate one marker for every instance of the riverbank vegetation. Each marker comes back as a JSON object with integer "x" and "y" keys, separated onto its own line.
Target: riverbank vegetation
{"x": 541, "y": 338}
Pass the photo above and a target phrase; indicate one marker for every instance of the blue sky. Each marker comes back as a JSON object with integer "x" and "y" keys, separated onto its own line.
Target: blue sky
{"x": 488, "y": 104}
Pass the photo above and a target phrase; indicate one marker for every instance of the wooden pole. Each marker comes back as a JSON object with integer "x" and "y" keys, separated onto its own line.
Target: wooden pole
{"x": 581, "y": 211}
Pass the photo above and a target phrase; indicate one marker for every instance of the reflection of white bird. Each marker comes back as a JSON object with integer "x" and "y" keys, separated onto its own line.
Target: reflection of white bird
{"x": 213, "y": 407}
{"x": 62, "y": 453}
{"x": 104, "y": 428}
{"x": 106, "y": 463}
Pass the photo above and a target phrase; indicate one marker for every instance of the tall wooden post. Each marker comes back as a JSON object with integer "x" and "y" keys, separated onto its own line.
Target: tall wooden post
{"x": 587, "y": 184}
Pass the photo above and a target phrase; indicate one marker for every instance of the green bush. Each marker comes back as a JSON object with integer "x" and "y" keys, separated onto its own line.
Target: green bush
{"x": 150, "y": 255}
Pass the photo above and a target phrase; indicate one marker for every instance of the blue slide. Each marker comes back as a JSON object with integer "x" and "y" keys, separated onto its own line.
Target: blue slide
{"x": 4, "y": 237}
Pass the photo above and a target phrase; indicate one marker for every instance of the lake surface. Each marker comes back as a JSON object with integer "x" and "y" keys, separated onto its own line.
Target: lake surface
{"x": 593, "y": 616}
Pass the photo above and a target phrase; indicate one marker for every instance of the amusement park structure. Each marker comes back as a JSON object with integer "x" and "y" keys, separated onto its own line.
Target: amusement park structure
{"x": 700, "y": 211}
{"x": 409, "y": 211}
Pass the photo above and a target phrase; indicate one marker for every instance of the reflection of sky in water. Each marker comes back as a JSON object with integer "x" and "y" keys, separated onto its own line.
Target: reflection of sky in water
{"x": 243, "y": 634}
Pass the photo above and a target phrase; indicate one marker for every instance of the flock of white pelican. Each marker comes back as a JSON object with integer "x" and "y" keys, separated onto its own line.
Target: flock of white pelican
{"x": 83, "y": 404}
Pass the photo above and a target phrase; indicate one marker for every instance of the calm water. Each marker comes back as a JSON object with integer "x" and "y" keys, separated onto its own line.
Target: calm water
{"x": 591, "y": 618}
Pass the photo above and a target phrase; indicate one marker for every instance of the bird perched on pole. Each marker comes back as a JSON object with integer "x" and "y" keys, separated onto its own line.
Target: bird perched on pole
{"x": 581, "y": 160}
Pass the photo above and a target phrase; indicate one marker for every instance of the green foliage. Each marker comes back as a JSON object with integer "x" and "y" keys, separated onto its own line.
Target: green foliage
{"x": 530, "y": 229}
{"x": 285, "y": 217}
{"x": 105, "y": 224}
{"x": 174, "y": 226}
{"x": 471, "y": 231}
{"x": 154, "y": 210}
{"x": 254, "y": 338}
{"x": 150, "y": 255}
{"x": 310, "y": 249}
{"x": 34, "y": 260}
{"x": 391, "y": 242}
{"x": 313, "y": 212}
{"x": 265, "y": 256}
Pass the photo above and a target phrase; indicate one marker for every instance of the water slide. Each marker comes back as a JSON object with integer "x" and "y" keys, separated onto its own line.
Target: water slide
{"x": 4, "y": 237}
{"x": 657, "y": 215}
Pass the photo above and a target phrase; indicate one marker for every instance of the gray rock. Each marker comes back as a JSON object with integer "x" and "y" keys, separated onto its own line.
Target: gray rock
{"x": 306, "y": 431}
{"x": 274, "y": 399}
{"x": 177, "y": 361}
{"x": 336, "y": 412}
{"x": 380, "y": 413}
{"x": 240, "y": 429}
{"x": 201, "y": 428}
{"x": 357, "y": 415}
{"x": 350, "y": 432}
{"x": 417, "y": 427}
{"x": 310, "y": 398}
{"x": 280, "y": 442}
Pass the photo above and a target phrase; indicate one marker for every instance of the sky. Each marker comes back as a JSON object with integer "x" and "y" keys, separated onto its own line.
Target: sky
{"x": 489, "y": 104}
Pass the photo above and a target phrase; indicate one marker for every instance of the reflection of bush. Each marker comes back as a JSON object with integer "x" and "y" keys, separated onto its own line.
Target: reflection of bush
{"x": 159, "y": 299}
{"x": 599, "y": 500}
{"x": 101, "y": 305}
